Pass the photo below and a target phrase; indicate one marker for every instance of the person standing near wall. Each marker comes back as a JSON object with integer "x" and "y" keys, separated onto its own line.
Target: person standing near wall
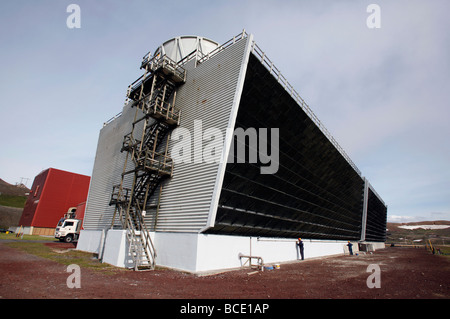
{"x": 350, "y": 247}
{"x": 300, "y": 247}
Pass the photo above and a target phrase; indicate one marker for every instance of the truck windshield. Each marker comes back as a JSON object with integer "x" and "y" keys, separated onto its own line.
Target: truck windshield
{"x": 61, "y": 221}
{"x": 68, "y": 223}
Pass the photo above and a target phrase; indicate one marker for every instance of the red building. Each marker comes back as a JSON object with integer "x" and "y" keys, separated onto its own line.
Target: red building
{"x": 53, "y": 192}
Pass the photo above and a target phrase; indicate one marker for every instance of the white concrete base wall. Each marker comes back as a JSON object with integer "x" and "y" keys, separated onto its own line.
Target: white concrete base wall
{"x": 90, "y": 241}
{"x": 379, "y": 245}
{"x": 199, "y": 253}
{"x": 216, "y": 252}
{"x": 176, "y": 250}
{"x": 115, "y": 251}
{"x": 27, "y": 230}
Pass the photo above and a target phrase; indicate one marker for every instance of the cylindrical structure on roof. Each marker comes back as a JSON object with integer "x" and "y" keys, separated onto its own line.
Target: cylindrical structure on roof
{"x": 179, "y": 47}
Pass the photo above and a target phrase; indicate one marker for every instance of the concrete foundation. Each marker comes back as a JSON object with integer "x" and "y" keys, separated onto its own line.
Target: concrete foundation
{"x": 203, "y": 253}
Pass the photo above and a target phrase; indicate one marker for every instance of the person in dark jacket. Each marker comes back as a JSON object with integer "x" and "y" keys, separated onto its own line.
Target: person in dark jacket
{"x": 350, "y": 249}
{"x": 300, "y": 247}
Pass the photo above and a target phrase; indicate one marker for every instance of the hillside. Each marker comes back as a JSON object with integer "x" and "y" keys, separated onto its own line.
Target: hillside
{"x": 12, "y": 195}
{"x": 421, "y": 233}
{"x": 9, "y": 189}
{"x": 12, "y": 201}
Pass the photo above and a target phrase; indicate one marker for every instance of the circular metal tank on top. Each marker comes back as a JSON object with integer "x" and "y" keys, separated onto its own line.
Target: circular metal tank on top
{"x": 180, "y": 47}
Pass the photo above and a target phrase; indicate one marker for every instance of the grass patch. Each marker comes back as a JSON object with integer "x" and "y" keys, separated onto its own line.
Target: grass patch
{"x": 444, "y": 250}
{"x": 64, "y": 256}
{"x": 12, "y": 236}
{"x": 13, "y": 200}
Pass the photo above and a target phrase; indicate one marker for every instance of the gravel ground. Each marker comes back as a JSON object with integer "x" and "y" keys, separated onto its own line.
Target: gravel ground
{"x": 406, "y": 273}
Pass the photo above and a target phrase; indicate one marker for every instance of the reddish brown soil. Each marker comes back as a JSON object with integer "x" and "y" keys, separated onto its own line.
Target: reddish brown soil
{"x": 409, "y": 273}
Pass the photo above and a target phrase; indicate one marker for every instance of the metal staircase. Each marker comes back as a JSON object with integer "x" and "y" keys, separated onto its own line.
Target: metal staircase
{"x": 154, "y": 94}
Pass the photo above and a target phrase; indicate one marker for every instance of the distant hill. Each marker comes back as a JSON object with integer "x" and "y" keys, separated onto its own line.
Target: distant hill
{"x": 12, "y": 201}
{"x": 9, "y": 189}
{"x": 10, "y": 216}
{"x": 420, "y": 235}
{"x": 394, "y": 226}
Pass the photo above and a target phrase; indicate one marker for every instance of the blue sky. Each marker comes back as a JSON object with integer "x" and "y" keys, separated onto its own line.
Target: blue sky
{"x": 383, "y": 93}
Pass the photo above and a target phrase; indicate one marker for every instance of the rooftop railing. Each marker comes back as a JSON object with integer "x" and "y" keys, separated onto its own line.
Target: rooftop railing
{"x": 112, "y": 119}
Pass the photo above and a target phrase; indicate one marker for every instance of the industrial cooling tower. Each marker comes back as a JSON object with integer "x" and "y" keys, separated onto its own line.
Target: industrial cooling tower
{"x": 216, "y": 159}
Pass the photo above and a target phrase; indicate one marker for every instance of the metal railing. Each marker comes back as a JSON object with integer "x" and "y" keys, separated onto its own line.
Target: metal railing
{"x": 112, "y": 119}
{"x": 155, "y": 63}
{"x": 168, "y": 64}
{"x": 155, "y": 161}
{"x": 119, "y": 194}
{"x": 140, "y": 242}
{"x": 164, "y": 109}
{"x": 222, "y": 47}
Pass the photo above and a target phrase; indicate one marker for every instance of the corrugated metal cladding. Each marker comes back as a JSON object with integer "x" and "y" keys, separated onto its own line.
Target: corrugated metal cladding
{"x": 207, "y": 96}
{"x": 315, "y": 192}
{"x": 33, "y": 199}
{"x": 108, "y": 167}
{"x": 376, "y": 218}
{"x": 53, "y": 192}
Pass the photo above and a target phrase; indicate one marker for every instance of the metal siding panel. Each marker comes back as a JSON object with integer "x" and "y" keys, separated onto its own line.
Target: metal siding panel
{"x": 108, "y": 166}
{"x": 207, "y": 95}
{"x": 33, "y": 199}
{"x": 58, "y": 190}
{"x": 62, "y": 190}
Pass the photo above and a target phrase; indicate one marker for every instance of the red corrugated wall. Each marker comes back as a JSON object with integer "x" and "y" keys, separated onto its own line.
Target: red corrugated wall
{"x": 33, "y": 199}
{"x": 56, "y": 191}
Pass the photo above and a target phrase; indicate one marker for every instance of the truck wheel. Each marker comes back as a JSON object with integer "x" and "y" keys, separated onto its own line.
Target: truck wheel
{"x": 68, "y": 239}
